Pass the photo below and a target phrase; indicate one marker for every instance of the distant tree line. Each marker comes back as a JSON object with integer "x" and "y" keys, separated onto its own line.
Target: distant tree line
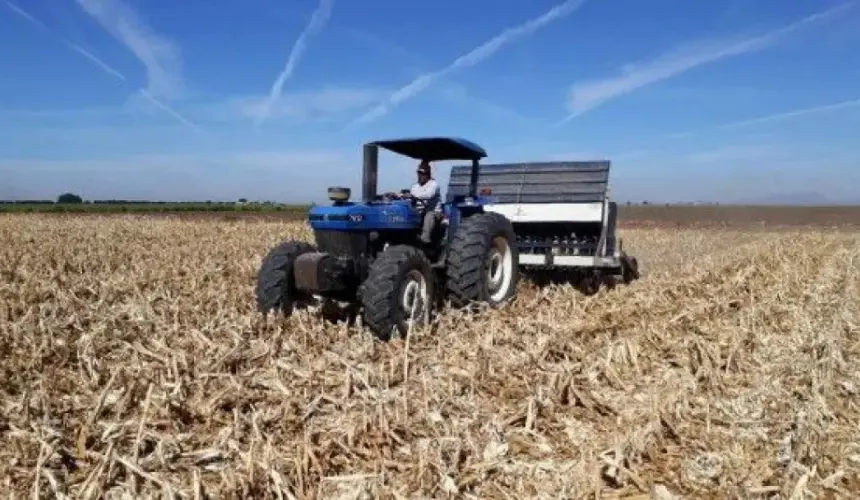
{"x": 27, "y": 202}
{"x": 72, "y": 203}
{"x": 72, "y": 199}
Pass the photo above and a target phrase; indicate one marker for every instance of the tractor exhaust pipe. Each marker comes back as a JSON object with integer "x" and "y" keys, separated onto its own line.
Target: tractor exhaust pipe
{"x": 369, "y": 172}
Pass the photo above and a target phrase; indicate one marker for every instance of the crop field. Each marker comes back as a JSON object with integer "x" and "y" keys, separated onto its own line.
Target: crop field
{"x": 134, "y": 364}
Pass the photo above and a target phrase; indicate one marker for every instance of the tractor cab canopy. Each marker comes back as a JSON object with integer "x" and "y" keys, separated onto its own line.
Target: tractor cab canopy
{"x": 418, "y": 148}
{"x": 434, "y": 148}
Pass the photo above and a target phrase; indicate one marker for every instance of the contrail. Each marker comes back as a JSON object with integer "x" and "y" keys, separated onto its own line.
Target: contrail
{"x": 318, "y": 20}
{"x": 474, "y": 57}
{"x": 77, "y": 48}
{"x": 21, "y": 12}
{"x": 167, "y": 109}
{"x": 793, "y": 114}
{"x": 455, "y": 92}
{"x": 158, "y": 54}
{"x": 776, "y": 117}
{"x": 589, "y": 95}
{"x": 100, "y": 63}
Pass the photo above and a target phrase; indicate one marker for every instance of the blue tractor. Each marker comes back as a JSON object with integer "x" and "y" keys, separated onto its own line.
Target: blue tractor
{"x": 369, "y": 253}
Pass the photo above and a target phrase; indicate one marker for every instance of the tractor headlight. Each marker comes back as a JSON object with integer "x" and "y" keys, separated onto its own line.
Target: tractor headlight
{"x": 339, "y": 194}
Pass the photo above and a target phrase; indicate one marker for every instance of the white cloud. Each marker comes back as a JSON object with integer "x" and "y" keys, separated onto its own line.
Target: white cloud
{"x": 23, "y": 13}
{"x": 159, "y": 55}
{"x": 317, "y": 22}
{"x": 167, "y": 109}
{"x": 282, "y": 175}
{"x": 76, "y": 114}
{"x": 98, "y": 62}
{"x": 472, "y": 58}
{"x": 459, "y": 95}
{"x": 738, "y": 152}
{"x": 795, "y": 114}
{"x": 775, "y": 117}
{"x": 258, "y": 160}
{"x": 77, "y": 48}
{"x": 122, "y": 23}
{"x": 319, "y": 104}
{"x": 588, "y": 95}
{"x": 451, "y": 91}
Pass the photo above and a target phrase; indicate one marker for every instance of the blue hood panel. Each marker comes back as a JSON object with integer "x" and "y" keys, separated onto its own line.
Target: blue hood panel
{"x": 397, "y": 215}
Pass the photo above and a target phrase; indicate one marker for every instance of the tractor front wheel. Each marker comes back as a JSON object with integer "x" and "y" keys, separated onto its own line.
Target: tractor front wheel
{"x": 483, "y": 261}
{"x": 398, "y": 292}
{"x": 276, "y": 288}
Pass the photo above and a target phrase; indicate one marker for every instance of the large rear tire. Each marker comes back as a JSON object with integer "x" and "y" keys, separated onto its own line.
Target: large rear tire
{"x": 398, "y": 291}
{"x": 483, "y": 261}
{"x": 276, "y": 287}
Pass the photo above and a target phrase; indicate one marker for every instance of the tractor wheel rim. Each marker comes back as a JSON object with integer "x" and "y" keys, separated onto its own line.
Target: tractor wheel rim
{"x": 499, "y": 268}
{"x": 414, "y": 298}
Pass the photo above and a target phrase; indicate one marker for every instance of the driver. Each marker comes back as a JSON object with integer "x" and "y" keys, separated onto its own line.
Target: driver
{"x": 427, "y": 189}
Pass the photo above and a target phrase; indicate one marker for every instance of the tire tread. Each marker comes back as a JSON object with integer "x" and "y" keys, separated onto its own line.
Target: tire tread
{"x": 275, "y": 289}
{"x": 379, "y": 292}
{"x": 467, "y": 252}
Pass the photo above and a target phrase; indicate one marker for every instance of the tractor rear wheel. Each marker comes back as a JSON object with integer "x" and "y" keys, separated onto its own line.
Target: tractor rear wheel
{"x": 398, "y": 291}
{"x": 483, "y": 261}
{"x": 276, "y": 288}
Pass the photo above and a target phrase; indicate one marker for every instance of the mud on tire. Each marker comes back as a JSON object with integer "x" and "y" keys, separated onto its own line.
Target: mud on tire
{"x": 399, "y": 274}
{"x": 483, "y": 261}
{"x": 276, "y": 289}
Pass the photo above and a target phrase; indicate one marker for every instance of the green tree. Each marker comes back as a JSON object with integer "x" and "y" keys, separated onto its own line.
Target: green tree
{"x": 69, "y": 198}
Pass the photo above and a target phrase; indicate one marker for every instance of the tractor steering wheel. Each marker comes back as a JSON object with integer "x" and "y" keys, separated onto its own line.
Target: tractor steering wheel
{"x": 388, "y": 196}
{"x": 419, "y": 203}
{"x": 404, "y": 194}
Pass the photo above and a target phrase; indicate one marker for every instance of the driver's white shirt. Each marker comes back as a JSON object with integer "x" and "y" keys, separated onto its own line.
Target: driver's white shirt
{"x": 429, "y": 192}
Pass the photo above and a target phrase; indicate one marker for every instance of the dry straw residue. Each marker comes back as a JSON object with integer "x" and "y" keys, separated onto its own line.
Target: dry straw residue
{"x": 134, "y": 362}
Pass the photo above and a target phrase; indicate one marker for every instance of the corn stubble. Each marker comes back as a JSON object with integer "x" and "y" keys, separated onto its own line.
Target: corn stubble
{"x": 135, "y": 365}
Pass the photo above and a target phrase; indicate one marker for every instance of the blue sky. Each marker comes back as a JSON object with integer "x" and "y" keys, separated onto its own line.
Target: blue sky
{"x": 271, "y": 99}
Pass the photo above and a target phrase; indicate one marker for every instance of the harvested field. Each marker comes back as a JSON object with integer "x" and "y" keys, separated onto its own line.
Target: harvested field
{"x": 739, "y": 216}
{"x": 632, "y": 216}
{"x": 133, "y": 362}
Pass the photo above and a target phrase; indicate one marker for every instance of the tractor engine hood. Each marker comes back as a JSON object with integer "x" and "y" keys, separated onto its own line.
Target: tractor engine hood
{"x": 396, "y": 215}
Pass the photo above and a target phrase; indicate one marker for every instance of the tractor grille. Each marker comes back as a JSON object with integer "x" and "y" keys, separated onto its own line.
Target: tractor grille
{"x": 341, "y": 243}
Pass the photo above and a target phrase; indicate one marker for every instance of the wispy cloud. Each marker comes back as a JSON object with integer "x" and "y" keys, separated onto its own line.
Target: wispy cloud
{"x": 281, "y": 175}
{"x": 738, "y": 152}
{"x": 75, "y": 114}
{"x": 317, "y": 22}
{"x": 124, "y": 26}
{"x": 472, "y": 58}
{"x": 258, "y": 160}
{"x": 586, "y": 96}
{"x": 98, "y": 62}
{"x": 453, "y": 92}
{"x": 167, "y": 109}
{"x": 77, "y": 48}
{"x": 319, "y": 104}
{"x": 775, "y": 117}
{"x": 460, "y": 96}
{"x": 794, "y": 114}
{"x": 159, "y": 55}
{"x": 21, "y": 12}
